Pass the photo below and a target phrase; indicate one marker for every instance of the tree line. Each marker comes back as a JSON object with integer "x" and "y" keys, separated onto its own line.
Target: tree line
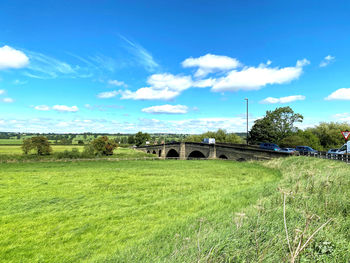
{"x": 280, "y": 126}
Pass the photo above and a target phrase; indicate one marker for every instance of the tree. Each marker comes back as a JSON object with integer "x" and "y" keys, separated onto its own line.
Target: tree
{"x": 275, "y": 126}
{"x": 220, "y": 136}
{"x": 141, "y": 138}
{"x": 329, "y": 134}
{"x": 39, "y": 143}
{"x": 103, "y": 146}
{"x": 131, "y": 139}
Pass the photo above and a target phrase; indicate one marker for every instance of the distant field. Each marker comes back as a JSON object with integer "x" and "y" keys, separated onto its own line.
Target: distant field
{"x": 16, "y": 149}
{"x": 129, "y": 211}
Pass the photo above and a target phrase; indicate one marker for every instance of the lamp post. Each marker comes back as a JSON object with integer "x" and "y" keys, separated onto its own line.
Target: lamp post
{"x": 247, "y": 119}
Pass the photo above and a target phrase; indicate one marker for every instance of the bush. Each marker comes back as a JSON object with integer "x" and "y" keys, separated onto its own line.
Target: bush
{"x": 73, "y": 154}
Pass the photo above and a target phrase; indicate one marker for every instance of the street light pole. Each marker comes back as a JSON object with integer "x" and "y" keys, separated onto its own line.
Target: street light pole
{"x": 247, "y": 119}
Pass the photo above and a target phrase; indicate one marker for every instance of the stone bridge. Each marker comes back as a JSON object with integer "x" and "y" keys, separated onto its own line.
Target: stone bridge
{"x": 192, "y": 150}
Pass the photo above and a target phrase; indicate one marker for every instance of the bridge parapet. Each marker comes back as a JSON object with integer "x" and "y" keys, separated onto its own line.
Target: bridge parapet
{"x": 188, "y": 150}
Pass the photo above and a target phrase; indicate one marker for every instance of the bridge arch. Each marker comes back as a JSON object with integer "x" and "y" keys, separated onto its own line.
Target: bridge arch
{"x": 154, "y": 152}
{"x": 172, "y": 153}
{"x": 148, "y": 151}
{"x": 223, "y": 156}
{"x": 196, "y": 154}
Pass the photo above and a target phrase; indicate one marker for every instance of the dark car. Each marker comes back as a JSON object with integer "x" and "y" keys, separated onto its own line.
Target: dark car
{"x": 305, "y": 150}
{"x": 269, "y": 146}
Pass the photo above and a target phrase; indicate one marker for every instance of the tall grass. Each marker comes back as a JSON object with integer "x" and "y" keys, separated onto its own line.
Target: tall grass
{"x": 311, "y": 204}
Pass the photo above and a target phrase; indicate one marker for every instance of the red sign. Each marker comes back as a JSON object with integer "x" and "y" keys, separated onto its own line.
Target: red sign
{"x": 346, "y": 134}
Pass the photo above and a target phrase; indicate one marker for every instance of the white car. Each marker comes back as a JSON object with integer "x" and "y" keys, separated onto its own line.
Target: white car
{"x": 342, "y": 150}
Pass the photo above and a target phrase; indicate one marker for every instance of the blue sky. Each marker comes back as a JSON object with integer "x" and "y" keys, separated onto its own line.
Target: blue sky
{"x": 170, "y": 66}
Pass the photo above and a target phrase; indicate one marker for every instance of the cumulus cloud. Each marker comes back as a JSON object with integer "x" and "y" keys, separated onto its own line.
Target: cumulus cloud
{"x": 167, "y": 86}
{"x": 326, "y": 61}
{"x": 162, "y": 86}
{"x": 271, "y": 100}
{"x": 254, "y": 78}
{"x": 2, "y": 91}
{"x": 166, "y": 109}
{"x": 340, "y": 94}
{"x": 117, "y": 83}
{"x": 64, "y": 108}
{"x": 150, "y": 94}
{"x": 107, "y": 94}
{"x": 12, "y": 58}
{"x": 42, "y": 108}
{"x": 210, "y": 63}
{"x": 8, "y": 100}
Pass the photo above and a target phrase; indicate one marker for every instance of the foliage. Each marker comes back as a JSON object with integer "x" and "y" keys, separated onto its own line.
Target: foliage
{"x": 73, "y": 154}
{"x": 131, "y": 139}
{"x": 301, "y": 138}
{"x": 141, "y": 138}
{"x": 103, "y": 146}
{"x": 275, "y": 126}
{"x": 39, "y": 144}
{"x": 220, "y": 136}
{"x": 329, "y": 134}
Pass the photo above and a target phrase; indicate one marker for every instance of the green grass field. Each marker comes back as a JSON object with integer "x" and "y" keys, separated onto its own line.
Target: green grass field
{"x": 174, "y": 211}
{"x": 116, "y": 211}
{"x": 16, "y": 149}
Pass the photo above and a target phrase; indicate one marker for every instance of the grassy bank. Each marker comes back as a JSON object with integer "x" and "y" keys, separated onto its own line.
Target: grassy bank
{"x": 317, "y": 219}
{"x": 131, "y": 211}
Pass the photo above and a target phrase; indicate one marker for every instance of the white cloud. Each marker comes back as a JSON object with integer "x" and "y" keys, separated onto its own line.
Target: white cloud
{"x": 166, "y": 109}
{"x": 45, "y": 67}
{"x": 142, "y": 56}
{"x": 326, "y": 61}
{"x": 271, "y": 100}
{"x": 167, "y": 86}
{"x": 12, "y": 58}
{"x": 107, "y": 94}
{"x": 342, "y": 117}
{"x": 150, "y": 94}
{"x": 340, "y": 94}
{"x": 42, "y": 108}
{"x": 117, "y": 83}
{"x": 64, "y": 108}
{"x": 254, "y": 78}
{"x": 210, "y": 63}
{"x": 170, "y": 81}
{"x": 162, "y": 86}
{"x": 8, "y": 100}
{"x": 302, "y": 63}
{"x": 2, "y": 91}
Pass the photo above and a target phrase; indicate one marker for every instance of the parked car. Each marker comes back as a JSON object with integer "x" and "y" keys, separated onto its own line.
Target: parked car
{"x": 288, "y": 150}
{"x": 269, "y": 146}
{"x": 342, "y": 150}
{"x": 332, "y": 152}
{"x": 305, "y": 149}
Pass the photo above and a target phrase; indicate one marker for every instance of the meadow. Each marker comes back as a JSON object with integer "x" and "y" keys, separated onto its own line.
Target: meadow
{"x": 106, "y": 211}
{"x": 16, "y": 149}
{"x": 175, "y": 211}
